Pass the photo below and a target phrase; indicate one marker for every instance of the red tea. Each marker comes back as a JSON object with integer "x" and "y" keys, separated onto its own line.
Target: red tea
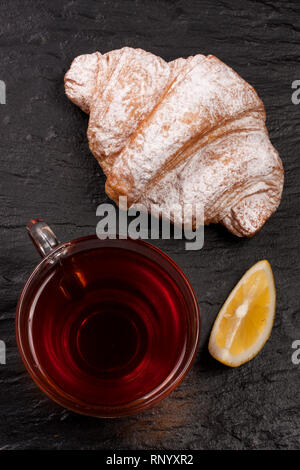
{"x": 108, "y": 325}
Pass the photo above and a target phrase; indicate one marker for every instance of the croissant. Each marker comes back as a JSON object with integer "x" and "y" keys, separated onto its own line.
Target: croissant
{"x": 190, "y": 131}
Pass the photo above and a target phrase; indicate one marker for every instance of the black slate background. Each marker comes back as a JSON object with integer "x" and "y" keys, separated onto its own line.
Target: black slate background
{"x": 48, "y": 171}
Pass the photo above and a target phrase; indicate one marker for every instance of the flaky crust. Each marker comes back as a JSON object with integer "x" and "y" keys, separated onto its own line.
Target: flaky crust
{"x": 191, "y": 131}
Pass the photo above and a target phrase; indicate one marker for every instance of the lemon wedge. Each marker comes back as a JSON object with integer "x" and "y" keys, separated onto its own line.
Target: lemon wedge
{"x": 245, "y": 321}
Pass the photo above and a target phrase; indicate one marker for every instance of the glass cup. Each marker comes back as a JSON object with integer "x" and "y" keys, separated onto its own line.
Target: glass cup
{"x": 105, "y": 328}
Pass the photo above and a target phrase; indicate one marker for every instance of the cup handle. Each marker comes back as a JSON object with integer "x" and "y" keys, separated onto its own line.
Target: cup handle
{"x": 42, "y": 236}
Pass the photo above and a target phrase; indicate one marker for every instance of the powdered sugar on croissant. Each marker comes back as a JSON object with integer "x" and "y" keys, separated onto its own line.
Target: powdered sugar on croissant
{"x": 189, "y": 131}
